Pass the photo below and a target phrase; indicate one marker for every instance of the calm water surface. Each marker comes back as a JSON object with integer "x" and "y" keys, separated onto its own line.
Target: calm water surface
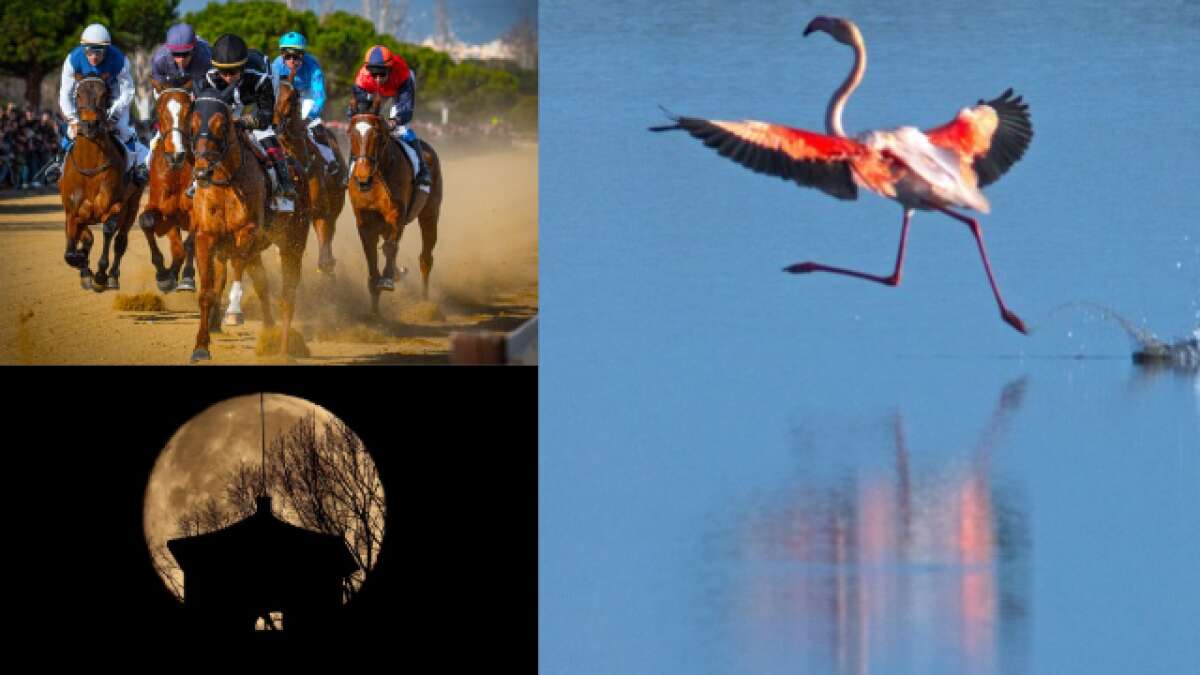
{"x": 742, "y": 471}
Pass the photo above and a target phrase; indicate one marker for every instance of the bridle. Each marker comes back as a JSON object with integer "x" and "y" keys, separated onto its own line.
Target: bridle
{"x": 182, "y": 128}
{"x": 374, "y": 157}
{"x": 90, "y": 129}
{"x": 214, "y": 159}
{"x": 285, "y": 125}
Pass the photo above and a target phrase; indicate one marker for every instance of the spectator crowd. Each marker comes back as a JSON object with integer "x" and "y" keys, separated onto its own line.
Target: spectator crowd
{"x": 28, "y": 140}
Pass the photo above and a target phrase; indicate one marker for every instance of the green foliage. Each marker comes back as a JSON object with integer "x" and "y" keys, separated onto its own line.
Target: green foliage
{"x": 36, "y": 35}
{"x": 340, "y": 39}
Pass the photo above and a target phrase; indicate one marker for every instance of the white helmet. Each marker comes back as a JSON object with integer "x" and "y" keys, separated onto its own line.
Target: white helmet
{"x": 95, "y": 34}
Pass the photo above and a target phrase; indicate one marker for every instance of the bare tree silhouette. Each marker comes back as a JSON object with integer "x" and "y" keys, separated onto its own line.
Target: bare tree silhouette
{"x": 320, "y": 477}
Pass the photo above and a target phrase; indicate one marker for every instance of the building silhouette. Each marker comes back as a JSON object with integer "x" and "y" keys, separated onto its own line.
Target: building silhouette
{"x": 262, "y": 573}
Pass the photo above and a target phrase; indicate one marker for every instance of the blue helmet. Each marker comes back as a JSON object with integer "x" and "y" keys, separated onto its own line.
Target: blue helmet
{"x": 293, "y": 40}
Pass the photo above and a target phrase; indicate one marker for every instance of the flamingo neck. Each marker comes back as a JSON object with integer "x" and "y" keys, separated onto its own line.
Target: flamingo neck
{"x": 833, "y": 115}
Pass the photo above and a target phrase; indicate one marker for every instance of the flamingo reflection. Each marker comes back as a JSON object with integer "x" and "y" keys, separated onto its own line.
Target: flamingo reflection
{"x": 908, "y": 562}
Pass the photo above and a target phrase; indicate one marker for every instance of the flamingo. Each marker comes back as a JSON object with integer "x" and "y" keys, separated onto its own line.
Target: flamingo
{"x": 936, "y": 170}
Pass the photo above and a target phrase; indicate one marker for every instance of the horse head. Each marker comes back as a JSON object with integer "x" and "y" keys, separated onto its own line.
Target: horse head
{"x": 91, "y": 103}
{"x": 287, "y": 103}
{"x": 367, "y": 135}
{"x": 212, "y": 131}
{"x": 172, "y": 108}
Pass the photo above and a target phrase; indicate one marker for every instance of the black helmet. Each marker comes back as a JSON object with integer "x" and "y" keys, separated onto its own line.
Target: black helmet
{"x": 229, "y": 52}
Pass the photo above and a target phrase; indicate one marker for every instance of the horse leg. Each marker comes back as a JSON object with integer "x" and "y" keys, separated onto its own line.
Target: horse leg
{"x": 219, "y": 277}
{"x": 177, "y": 254}
{"x": 290, "y": 262}
{"x": 109, "y": 228}
{"x": 394, "y": 227}
{"x": 120, "y": 243}
{"x": 207, "y": 294}
{"x": 148, "y": 221}
{"x": 84, "y": 255}
{"x": 188, "y": 283}
{"x": 233, "y": 312}
{"x": 369, "y": 234}
{"x": 429, "y": 231}
{"x": 325, "y": 228}
{"x": 262, "y": 288}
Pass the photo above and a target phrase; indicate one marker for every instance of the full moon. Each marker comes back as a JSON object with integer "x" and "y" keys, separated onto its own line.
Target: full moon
{"x": 193, "y": 472}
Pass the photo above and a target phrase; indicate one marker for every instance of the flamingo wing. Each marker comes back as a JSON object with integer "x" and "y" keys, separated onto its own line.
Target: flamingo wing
{"x": 994, "y": 134}
{"x": 809, "y": 159}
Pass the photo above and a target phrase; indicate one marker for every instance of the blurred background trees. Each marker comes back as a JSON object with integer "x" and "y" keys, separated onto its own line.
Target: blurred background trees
{"x": 35, "y": 36}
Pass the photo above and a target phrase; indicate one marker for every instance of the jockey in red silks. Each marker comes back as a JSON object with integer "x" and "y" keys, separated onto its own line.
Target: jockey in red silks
{"x": 388, "y": 75}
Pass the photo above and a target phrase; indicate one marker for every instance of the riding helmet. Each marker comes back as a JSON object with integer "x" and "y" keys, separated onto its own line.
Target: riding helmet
{"x": 95, "y": 34}
{"x": 293, "y": 41}
{"x": 229, "y": 52}
{"x": 181, "y": 38}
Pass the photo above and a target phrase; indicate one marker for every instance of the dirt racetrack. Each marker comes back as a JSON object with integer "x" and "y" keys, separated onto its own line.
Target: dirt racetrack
{"x": 485, "y": 276}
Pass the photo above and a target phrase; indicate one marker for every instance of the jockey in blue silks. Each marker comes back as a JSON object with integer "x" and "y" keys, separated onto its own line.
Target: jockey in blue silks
{"x": 97, "y": 57}
{"x": 309, "y": 82}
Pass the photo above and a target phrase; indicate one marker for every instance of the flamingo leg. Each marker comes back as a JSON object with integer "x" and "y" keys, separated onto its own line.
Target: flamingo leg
{"x": 1005, "y": 313}
{"x": 893, "y": 280}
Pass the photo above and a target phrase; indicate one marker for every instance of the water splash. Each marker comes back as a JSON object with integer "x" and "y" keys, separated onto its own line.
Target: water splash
{"x": 1149, "y": 349}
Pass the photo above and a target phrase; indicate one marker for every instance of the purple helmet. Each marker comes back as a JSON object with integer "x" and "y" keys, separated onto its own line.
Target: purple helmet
{"x": 181, "y": 38}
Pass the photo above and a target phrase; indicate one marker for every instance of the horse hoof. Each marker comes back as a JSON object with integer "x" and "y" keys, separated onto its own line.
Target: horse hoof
{"x": 401, "y": 270}
{"x": 166, "y": 285}
{"x": 234, "y": 319}
{"x": 86, "y": 283}
{"x": 113, "y": 284}
{"x": 186, "y": 284}
{"x": 201, "y": 355}
{"x": 385, "y": 284}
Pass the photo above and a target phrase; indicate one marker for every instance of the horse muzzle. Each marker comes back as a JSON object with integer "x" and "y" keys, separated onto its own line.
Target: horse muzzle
{"x": 364, "y": 185}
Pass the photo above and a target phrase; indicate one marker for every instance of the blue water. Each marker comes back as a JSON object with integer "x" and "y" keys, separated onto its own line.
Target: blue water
{"x": 744, "y": 471}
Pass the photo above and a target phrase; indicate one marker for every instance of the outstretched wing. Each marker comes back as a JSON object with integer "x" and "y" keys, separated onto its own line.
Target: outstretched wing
{"x": 809, "y": 159}
{"x": 994, "y": 134}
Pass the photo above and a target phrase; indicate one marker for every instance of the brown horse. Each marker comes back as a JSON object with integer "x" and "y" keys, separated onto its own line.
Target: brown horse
{"x": 385, "y": 199}
{"x": 230, "y": 218}
{"x": 168, "y": 209}
{"x": 326, "y": 196}
{"x": 95, "y": 189}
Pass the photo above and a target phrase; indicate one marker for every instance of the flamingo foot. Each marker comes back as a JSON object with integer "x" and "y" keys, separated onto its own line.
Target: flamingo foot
{"x": 1014, "y": 321}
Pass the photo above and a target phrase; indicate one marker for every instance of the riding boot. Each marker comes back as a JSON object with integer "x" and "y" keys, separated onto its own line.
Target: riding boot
{"x": 422, "y": 178}
{"x": 54, "y": 170}
{"x": 286, "y": 188}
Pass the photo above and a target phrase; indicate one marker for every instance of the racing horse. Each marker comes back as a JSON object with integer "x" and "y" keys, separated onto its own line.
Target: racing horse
{"x": 168, "y": 209}
{"x": 230, "y": 217}
{"x": 326, "y": 196}
{"x": 95, "y": 189}
{"x": 385, "y": 199}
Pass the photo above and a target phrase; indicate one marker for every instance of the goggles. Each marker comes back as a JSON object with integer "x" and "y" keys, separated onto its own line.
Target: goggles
{"x": 292, "y": 55}
{"x": 95, "y": 49}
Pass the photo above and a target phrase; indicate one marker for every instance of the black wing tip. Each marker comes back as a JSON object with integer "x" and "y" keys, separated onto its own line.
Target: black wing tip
{"x": 671, "y": 116}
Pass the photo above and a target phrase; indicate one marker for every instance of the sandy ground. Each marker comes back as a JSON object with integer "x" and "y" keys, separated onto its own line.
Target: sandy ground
{"x": 484, "y": 277}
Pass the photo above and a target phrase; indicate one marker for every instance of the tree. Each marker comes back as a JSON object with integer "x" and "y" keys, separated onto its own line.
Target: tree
{"x": 35, "y": 36}
{"x": 320, "y": 477}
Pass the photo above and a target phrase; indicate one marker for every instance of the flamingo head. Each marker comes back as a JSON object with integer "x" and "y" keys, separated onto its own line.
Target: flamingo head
{"x": 842, "y": 30}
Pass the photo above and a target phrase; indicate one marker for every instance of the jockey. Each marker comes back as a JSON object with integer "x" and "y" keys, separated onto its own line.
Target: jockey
{"x": 96, "y": 57}
{"x": 387, "y": 74}
{"x": 182, "y": 57}
{"x": 246, "y": 72}
{"x": 309, "y": 82}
